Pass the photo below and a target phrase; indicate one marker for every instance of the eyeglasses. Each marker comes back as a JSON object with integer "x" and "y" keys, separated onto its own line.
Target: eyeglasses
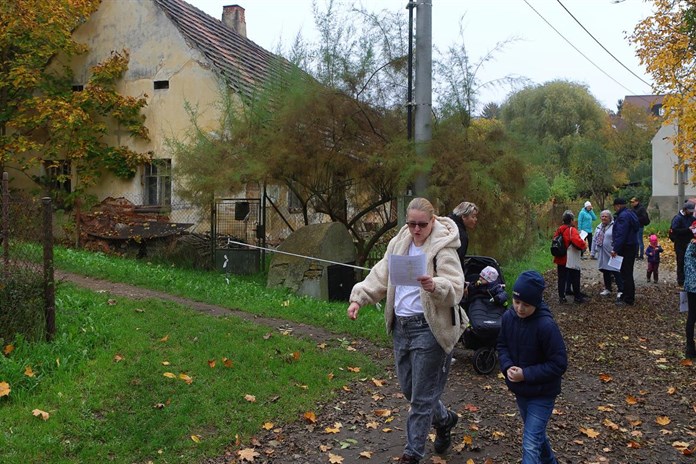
{"x": 413, "y": 224}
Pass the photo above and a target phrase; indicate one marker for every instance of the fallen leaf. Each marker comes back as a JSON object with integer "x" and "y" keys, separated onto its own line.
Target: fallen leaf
{"x": 671, "y": 391}
{"x": 382, "y": 412}
{"x": 164, "y": 339}
{"x": 605, "y": 408}
{"x": 610, "y": 424}
{"x": 28, "y": 371}
{"x": 353, "y": 369}
{"x": 321, "y": 346}
{"x": 196, "y": 438}
{"x": 39, "y": 413}
{"x": 330, "y": 375}
{"x": 139, "y": 310}
{"x": 663, "y": 420}
{"x": 377, "y": 382}
{"x": 166, "y": 363}
{"x": 633, "y": 444}
{"x": 346, "y": 388}
{"x": 247, "y": 454}
{"x": 250, "y": 398}
{"x": 186, "y": 378}
{"x": 4, "y": 389}
{"x": 118, "y": 357}
{"x": 498, "y": 435}
{"x": 335, "y": 459}
{"x": 471, "y": 408}
{"x": 211, "y": 363}
{"x": 630, "y": 399}
{"x": 372, "y": 425}
{"x": 437, "y": 460}
{"x": 169, "y": 375}
{"x": 332, "y": 429}
{"x": 686, "y": 362}
{"x": 605, "y": 378}
{"x": 111, "y": 302}
{"x": 8, "y": 349}
{"x": 296, "y": 355}
{"x": 365, "y": 454}
{"x": 267, "y": 425}
{"x": 386, "y": 430}
{"x": 589, "y": 432}
{"x": 227, "y": 362}
{"x": 325, "y": 448}
{"x": 310, "y": 417}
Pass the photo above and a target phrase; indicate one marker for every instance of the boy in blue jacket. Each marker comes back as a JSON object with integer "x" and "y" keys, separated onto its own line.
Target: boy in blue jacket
{"x": 533, "y": 359}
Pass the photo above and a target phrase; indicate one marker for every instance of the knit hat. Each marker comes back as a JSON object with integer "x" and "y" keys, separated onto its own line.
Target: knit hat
{"x": 689, "y": 205}
{"x": 587, "y": 204}
{"x": 619, "y": 201}
{"x": 653, "y": 239}
{"x": 529, "y": 288}
{"x": 489, "y": 274}
{"x": 693, "y": 227}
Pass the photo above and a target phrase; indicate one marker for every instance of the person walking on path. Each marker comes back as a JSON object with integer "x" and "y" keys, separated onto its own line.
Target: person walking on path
{"x": 533, "y": 359}
{"x": 423, "y": 320}
{"x": 690, "y": 289}
{"x": 625, "y": 244}
{"x": 644, "y": 220}
{"x": 585, "y": 219}
{"x": 652, "y": 252}
{"x": 569, "y": 266}
{"x": 680, "y": 234}
{"x": 601, "y": 250}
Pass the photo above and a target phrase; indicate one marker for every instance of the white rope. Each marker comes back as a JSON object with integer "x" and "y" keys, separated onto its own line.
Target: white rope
{"x": 230, "y": 241}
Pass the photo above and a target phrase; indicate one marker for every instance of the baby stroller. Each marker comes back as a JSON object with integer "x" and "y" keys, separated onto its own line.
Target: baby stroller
{"x": 485, "y": 314}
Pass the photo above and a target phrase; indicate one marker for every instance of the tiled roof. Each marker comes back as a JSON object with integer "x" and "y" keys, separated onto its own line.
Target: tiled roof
{"x": 243, "y": 64}
{"x": 644, "y": 101}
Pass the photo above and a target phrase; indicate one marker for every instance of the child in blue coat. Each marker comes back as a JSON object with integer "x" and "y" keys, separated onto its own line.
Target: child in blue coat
{"x": 652, "y": 252}
{"x": 533, "y": 359}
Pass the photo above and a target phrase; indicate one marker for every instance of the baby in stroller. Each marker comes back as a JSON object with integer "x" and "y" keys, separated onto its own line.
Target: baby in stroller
{"x": 485, "y": 303}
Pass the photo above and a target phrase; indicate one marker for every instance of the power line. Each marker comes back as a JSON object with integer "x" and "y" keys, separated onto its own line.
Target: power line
{"x": 576, "y": 49}
{"x": 603, "y": 47}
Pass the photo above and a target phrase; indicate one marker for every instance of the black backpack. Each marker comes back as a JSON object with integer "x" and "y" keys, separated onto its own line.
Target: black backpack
{"x": 557, "y": 246}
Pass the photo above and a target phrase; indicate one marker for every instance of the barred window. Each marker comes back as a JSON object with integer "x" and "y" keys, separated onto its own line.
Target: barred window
{"x": 157, "y": 181}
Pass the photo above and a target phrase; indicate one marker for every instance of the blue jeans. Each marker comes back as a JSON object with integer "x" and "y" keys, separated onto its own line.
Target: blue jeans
{"x": 422, "y": 367}
{"x": 641, "y": 246}
{"x": 536, "y": 413}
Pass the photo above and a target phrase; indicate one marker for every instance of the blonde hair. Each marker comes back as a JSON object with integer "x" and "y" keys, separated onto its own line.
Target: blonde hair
{"x": 465, "y": 208}
{"x": 421, "y": 204}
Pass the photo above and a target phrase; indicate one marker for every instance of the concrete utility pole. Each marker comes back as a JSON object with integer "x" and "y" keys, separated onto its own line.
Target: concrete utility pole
{"x": 423, "y": 86}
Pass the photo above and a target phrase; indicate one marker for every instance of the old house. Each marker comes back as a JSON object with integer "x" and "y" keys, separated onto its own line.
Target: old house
{"x": 179, "y": 56}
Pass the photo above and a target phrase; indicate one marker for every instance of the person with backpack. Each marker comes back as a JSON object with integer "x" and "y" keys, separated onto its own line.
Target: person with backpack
{"x": 644, "y": 220}
{"x": 625, "y": 244}
{"x": 568, "y": 265}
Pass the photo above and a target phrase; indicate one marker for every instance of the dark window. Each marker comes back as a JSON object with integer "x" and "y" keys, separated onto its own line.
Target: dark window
{"x": 161, "y": 85}
{"x": 78, "y": 88}
{"x": 157, "y": 180}
{"x": 58, "y": 175}
{"x": 294, "y": 203}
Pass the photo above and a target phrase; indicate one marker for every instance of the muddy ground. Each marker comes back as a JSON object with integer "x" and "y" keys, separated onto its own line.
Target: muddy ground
{"x": 629, "y": 396}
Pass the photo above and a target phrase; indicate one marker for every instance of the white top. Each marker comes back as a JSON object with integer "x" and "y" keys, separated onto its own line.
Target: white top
{"x": 407, "y": 301}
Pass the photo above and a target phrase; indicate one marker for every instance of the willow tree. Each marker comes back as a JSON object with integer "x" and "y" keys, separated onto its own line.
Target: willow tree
{"x": 666, "y": 46}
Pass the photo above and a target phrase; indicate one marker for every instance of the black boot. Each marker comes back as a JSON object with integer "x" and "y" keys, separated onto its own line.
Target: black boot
{"x": 443, "y": 433}
{"x": 690, "y": 349}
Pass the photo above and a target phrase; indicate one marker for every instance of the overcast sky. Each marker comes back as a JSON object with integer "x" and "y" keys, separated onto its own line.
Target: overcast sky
{"x": 540, "y": 54}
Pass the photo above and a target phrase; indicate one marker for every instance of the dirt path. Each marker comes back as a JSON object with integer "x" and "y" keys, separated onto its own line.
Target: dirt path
{"x": 626, "y": 375}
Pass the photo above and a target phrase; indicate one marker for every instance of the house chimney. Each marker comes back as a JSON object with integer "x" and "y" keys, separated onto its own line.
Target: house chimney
{"x": 233, "y": 17}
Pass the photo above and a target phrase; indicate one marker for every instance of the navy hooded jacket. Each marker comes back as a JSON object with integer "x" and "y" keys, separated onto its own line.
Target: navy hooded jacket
{"x": 536, "y": 345}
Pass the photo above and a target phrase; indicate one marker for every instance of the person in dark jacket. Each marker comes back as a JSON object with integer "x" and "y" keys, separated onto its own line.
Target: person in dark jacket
{"x": 533, "y": 359}
{"x": 680, "y": 234}
{"x": 625, "y": 244}
{"x": 643, "y": 219}
{"x": 465, "y": 215}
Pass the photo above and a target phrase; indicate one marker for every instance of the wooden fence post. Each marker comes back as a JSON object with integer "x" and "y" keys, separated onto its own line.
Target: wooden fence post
{"x": 49, "y": 284}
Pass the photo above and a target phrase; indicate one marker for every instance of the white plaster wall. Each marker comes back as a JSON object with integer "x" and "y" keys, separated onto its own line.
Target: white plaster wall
{"x": 664, "y": 189}
{"x": 157, "y": 52}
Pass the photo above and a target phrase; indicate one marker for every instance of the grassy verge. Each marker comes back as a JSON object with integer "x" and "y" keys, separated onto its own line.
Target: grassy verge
{"x": 138, "y": 381}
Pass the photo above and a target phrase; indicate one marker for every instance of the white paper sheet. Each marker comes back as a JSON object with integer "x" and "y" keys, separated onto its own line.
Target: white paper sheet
{"x": 583, "y": 234}
{"x": 403, "y": 270}
{"x": 615, "y": 262}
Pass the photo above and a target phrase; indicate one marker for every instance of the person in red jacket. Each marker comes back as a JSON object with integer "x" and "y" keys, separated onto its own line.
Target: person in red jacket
{"x": 569, "y": 265}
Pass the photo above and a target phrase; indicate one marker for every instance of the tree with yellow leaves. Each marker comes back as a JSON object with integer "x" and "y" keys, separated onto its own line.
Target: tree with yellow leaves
{"x": 666, "y": 46}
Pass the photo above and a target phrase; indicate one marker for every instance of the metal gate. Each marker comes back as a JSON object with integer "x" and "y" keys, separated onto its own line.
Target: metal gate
{"x": 242, "y": 221}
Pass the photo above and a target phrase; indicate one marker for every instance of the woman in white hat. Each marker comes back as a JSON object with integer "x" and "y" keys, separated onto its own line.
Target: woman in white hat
{"x": 585, "y": 219}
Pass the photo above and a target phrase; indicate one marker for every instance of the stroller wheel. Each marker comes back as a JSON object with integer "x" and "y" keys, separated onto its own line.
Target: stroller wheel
{"x": 484, "y": 360}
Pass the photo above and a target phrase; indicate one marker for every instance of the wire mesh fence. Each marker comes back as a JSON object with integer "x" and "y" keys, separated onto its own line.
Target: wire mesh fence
{"x": 27, "y": 298}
